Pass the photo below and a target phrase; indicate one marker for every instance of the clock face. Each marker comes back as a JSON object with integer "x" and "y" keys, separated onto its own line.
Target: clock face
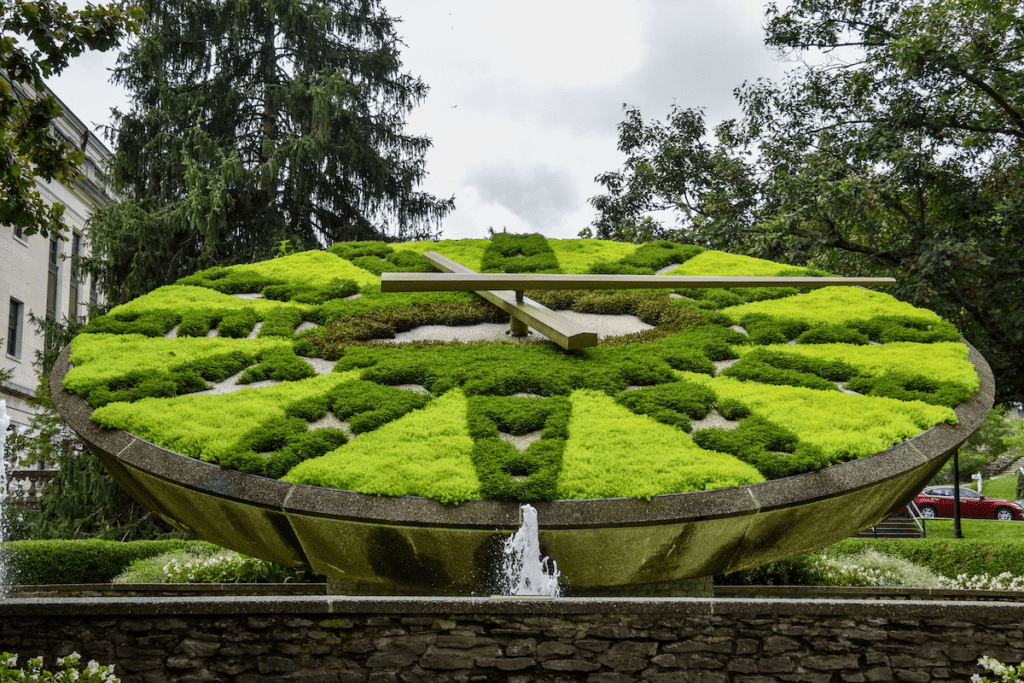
{"x": 301, "y": 369}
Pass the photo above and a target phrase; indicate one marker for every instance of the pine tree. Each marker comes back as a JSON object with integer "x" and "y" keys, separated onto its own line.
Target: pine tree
{"x": 255, "y": 122}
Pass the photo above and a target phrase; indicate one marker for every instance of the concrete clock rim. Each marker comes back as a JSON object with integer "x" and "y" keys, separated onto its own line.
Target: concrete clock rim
{"x": 131, "y": 451}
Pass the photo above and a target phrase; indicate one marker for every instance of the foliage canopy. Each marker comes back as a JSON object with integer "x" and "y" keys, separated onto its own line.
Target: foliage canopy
{"x": 29, "y": 146}
{"x": 258, "y": 125}
{"x": 897, "y": 149}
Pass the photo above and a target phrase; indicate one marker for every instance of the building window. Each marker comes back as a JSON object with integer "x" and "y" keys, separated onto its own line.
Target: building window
{"x": 76, "y": 248}
{"x": 52, "y": 280}
{"x": 14, "y": 328}
{"x": 19, "y": 232}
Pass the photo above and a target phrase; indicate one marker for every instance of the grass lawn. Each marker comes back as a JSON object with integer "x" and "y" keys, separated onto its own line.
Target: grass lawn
{"x": 1003, "y": 487}
{"x": 977, "y": 529}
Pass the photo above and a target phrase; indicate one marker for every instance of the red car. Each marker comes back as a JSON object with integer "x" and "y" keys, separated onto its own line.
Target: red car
{"x": 937, "y": 501}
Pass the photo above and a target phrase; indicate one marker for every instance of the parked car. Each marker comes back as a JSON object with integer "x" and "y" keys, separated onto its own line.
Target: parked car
{"x": 937, "y": 501}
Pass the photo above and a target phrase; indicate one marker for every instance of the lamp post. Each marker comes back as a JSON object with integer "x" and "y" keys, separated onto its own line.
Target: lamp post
{"x": 957, "y": 533}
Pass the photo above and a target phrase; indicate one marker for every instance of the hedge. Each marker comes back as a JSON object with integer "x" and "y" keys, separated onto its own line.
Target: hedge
{"x": 80, "y": 561}
{"x": 948, "y": 557}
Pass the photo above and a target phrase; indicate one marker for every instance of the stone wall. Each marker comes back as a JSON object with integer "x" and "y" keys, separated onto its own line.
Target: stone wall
{"x": 355, "y": 640}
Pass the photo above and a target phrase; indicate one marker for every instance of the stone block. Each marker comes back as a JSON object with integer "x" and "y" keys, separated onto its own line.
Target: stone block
{"x": 506, "y": 663}
{"x": 963, "y": 654}
{"x": 452, "y": 658}
{"x": 776, "y": 665}
{"x": 806, "y": 677}
{"x": 711, "y": 677}
{"x": 391, "y": 661}
{"x": 609, "y": 677}
{"x": 665, "y": 661}
{"x": 522, "y": 647}
{"x": 462, "y": 641}
{"x": 336, "y": 623}
{"x": 746, "y": 646}
{"x": 593, "y": 645}
{"x": 181, "y": 663}
{"x": 276, "y": 665}
{"x": 879, "y": 673}
{"x": 197, "y": 649}
{"x": 831, "y": 662}
{"x": 742, "y": 666}
{"x": 570, "y": 665}
{"x": 774, "y": 645}
{"x": 852, "y": 677}
{"x": 628, "y": 655}
{"x": 669, "y": 677}
{"x": 553, "y": 650}
{"x": 912, "y": 676}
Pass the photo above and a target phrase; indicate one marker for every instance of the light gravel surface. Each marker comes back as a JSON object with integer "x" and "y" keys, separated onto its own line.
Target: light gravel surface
{"x": 605, "y": 326}
{"x": 521, "y": 442}
{"x": 321, "y": 366}
{"x": 713, "y": 419}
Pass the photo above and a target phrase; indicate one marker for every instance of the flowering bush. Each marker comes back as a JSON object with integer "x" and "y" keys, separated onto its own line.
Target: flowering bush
{"x": 1007, "y": 674}
{"x": 873, "y": 569}
{"x": 1002, "y": 582}
{"x": 226, "y": 568}
{"x": 92, "y": 673}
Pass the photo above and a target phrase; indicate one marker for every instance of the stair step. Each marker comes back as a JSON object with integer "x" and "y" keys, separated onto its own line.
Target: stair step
{"x": 892, "y": 527}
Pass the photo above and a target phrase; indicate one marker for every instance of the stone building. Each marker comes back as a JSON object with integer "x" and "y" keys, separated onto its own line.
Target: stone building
{"x": 37, "y": 275}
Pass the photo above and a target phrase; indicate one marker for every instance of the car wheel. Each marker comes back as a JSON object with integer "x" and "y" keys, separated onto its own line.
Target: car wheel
{"x": 1004, "y": 514}
{"x": 928, "y": 511}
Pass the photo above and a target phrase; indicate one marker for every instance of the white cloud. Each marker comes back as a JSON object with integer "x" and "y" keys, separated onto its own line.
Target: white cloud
{"x": 526, "y": 96}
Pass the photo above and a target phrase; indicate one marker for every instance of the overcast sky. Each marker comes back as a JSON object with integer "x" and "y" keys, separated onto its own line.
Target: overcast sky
{"x": 525, "y": 96}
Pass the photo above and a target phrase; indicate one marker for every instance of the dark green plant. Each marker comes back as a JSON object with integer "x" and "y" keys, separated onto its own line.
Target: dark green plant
{"x": 649, "y": 258}
{"x": 673, "y": 404}
{"x": 83, "y": 501}
{"x": 796, "y": 571}
{"x": 773, "y": 450}
{"x": 293, "y": 131}
{"x": 898, "y": 162}
{"x": 44, "y": 562}
{"x": 509, "y": 253}
{"x": 944, "y": 556}
{"x": 31, "y": 148}
{"x": 505, "y": 472}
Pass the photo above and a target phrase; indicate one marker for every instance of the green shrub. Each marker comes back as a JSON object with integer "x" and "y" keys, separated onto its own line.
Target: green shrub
{"x": 214, "y": 566}
{"x": 832, "y": 334}
{"x": 672, "y": 404}
{"x": 506, "y": 473}
{"x": 509, "y": 253}
{"x": 650, "y": 458}
{"x": 654, "y": 256}
{"x": 229, "y": 280}
{"x": 154, "y": 323}
{"x": 281, "y": 322}
{"x": 368, "y": 406}
{"x": 908, "y": 386}
{"x": 278, "y": 364}
{"x": 378, "y": 462}
{"x": 354, "y": 250}
{"x": 945, "y": 557}
{"x": 69, "y": 671}
{"x": 311, "y": 294}
{"x": 84, "y": 561}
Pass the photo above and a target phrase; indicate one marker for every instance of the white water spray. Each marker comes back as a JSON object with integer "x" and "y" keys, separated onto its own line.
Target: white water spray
{"x": 525, "y": 571}
{"x": 5, "y": 422}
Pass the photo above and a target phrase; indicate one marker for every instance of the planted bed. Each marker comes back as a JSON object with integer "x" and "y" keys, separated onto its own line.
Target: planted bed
{"x": 271, "y": 409}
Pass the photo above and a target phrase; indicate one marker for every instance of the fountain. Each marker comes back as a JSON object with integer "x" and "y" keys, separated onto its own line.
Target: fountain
{"x": 5, "y": 422}
{"x": 525, "y": 572}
